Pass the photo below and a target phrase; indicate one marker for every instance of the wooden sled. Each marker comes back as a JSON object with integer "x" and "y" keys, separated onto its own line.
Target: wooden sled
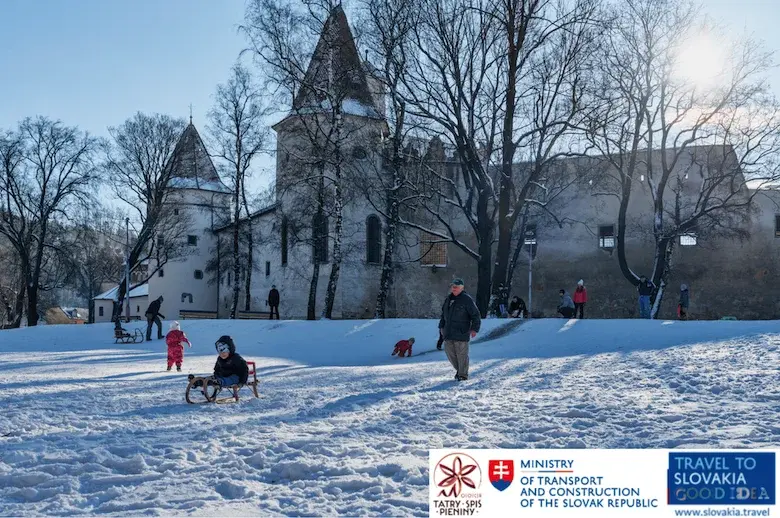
{"x": 206, "y": 393}
{"x": 122, "y": 336}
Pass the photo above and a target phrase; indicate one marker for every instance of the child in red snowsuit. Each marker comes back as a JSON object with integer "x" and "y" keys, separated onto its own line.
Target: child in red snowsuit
{"x": 403, "y": 347}
{"x": 176, "y": 340}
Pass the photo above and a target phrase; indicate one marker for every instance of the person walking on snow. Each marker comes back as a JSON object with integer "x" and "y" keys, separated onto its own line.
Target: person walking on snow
{"x": 176, "y": 340}
{"x": 682, "y": 307}
{"x": 460, "y": 322}
{"x": 153, "y": 317}
{"x": 566, "y": 307}
{"x": 273, "y": 302}
{"x": 580, "y": 298}
{"x": 645, "y": 290}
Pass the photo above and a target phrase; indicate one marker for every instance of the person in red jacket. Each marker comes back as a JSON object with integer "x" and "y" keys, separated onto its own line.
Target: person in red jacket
{"x": 580, "y": 298}
{"x": 403, "y": 347}
{"x": 176, "y": 340}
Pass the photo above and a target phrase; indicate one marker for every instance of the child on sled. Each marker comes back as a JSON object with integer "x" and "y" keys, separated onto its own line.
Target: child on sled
{"x": 230, "y": 369}
{"x": 176, "y": 340}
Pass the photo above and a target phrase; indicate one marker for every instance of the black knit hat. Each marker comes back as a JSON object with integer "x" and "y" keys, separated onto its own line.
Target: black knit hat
{"x": 225, "y": 339}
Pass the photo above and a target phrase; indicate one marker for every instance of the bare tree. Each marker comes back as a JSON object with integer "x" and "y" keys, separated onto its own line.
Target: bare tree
{"x": 11, "y": 285}
{"x": 543, "y": 60}
{"x": 331, "y": 106}
{"x": 695, "y": 147}
{"x": 97, "y": 252}
{"x": 239, "y": 133}
{"x": 387, "y": 183}
{"x": 48, "y": 170}
{"x": 453, "y": 84}
{"x": 140, "y": 165}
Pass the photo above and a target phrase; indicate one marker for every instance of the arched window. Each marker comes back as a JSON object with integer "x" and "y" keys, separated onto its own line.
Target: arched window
{"x": 284, "y": 241}
{"x": 320, "y": 238}
{"x": 373, "y": 240}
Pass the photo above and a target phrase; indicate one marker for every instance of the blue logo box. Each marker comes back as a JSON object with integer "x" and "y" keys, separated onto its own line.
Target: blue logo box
{"x": 721, "y": 478}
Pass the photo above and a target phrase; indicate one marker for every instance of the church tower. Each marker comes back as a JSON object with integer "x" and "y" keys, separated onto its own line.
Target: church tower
{"x": 201, "y": 202}
{"x": 337, "y": 119}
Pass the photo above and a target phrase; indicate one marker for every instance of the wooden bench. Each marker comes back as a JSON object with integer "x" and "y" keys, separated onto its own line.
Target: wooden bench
{"x": 253, "y": 315}
{"x": 192, "y": 314}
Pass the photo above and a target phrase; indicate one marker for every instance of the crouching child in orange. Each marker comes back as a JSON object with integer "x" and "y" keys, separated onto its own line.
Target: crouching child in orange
{"x": 176, "y": 340}
{"x": 403, "y": 347}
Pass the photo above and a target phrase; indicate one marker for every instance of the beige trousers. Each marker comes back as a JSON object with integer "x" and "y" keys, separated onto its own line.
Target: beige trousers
{"x": 458, "y": 354}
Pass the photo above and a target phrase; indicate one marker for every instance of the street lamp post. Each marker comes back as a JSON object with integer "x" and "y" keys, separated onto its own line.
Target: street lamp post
{"x": 127, "y": 268}
{"x": 530, "y": 242}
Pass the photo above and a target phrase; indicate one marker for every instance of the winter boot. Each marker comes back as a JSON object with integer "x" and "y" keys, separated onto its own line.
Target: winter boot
{"x": 178, "y": 367}
{"x": 169, "y": 367}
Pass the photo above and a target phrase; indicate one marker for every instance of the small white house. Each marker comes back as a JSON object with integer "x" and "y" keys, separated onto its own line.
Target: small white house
{"x": 139, "y": 301}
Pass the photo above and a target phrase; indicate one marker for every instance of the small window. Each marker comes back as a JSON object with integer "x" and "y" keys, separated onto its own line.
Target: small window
{"x": 175, "y": 212}
{"x": 607, "y": 237}
{"x": 192, "y": 240}
{"x": 373, "y": 240}
{"x": 267, "y": 268}
{"x": 138, "y": 309}
{"x": 688, "y": 239}
{"x": 230, "y": 279}
{"x": 198, "y": 274}
{"x": 777, "y": 225}
{"x": 433, "y": 250}
{"x": 358, "y": 153}
{"x": 161, "y": 273}
{"x": 100, "y": 311}
{"x": 160, "y": 242}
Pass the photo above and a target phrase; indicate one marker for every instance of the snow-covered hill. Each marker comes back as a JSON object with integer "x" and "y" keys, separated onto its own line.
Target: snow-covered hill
{"x": 342, "y": 427}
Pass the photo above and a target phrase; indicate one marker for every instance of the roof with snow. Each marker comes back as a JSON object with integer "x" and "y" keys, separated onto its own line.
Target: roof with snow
{"x": 336, "y": 72}
{"x": 138, "y": 291}
{"x": 191, "y": 164}
{"x": 256, "y": 214}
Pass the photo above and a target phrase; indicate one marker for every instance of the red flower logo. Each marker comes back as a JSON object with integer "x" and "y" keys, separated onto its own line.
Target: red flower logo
{"x": 456, "y": 475}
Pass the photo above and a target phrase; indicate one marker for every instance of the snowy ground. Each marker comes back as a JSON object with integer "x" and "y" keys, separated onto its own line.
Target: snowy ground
{"x": 343, "y": 428}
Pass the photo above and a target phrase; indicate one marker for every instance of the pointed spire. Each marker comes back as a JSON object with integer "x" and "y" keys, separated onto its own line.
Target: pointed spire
{"x": 336, "y": 67}
{"x": 191, "y": 159}
{"x": 190, "y": 113}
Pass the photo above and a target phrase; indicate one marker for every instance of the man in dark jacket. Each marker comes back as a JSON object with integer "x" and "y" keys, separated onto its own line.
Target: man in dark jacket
{"x": 682, "y": 307}
{"x": 645, "y": 289}
{"x": 273, "y": 301}
{"x": 153, "y": 317}
{"x": 460, "y": 322}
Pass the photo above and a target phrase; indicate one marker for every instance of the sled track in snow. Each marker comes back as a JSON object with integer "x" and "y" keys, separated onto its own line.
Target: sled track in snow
{"x": 500, "y": 331}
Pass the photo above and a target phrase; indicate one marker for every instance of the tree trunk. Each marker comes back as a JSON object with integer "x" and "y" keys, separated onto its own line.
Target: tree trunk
{"x": 91, "y": 305}
{"x": 505, "y": 222}
{"x": 386, "y": 280}
{"x": 335, "y": 268}
{"x": 249, "y": 267}
{"x": 236, "y": 253}
{"x": 663, "y": 265}
{"x": 311, "y": 309}
{"x": 485, "y": 262}
{"x": 32, "y": 304}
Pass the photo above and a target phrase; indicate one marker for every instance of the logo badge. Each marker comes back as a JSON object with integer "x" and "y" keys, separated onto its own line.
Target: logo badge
{"x": 456, "y": 474}
{"x": 501, "y": 473}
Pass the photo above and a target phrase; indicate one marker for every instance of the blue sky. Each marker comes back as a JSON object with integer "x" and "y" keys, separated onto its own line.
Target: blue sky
{"x": 93, "y": 63}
